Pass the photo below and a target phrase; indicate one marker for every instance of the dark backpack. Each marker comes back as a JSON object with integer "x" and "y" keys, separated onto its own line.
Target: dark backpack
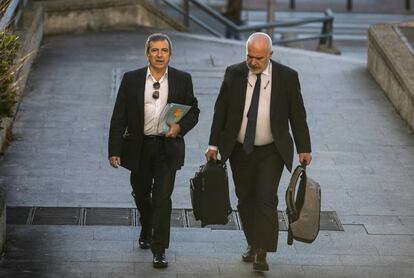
{"x": 303, "y": 207}
{"x": 209, "y": 191}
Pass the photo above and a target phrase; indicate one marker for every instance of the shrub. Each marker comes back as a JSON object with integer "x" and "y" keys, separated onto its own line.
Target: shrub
{"x": 9, "y": 44}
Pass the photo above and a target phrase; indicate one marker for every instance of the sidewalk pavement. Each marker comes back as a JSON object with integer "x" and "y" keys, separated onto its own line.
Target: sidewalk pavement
{"x": 362, "y": 150}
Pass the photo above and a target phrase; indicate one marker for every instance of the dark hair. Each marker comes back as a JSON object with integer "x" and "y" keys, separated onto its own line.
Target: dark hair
{"x": 157, "y": 37}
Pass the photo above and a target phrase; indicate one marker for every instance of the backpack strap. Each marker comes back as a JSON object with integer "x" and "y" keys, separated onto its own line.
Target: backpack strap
{"x": 291, "y": 190}
{"x": 291, "y": 210}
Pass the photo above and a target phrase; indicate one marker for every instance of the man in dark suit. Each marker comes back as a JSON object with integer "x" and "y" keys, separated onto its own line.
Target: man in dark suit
{"x": 258, "y": 100}
{"x": 135, "y": 144}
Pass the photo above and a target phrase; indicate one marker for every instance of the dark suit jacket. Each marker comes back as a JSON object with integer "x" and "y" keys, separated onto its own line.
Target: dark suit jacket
{"x": 127, "y": 124}
{"x": 286, "y": 107}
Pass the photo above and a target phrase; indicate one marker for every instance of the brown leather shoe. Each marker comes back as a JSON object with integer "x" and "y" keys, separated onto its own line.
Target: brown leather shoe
{"x": 260, "y": 263}
{"x": 248, "y": 255}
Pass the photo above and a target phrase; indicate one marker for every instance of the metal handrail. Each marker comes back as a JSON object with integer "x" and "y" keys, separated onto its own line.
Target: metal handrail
{"x": 325, "y": 37}
{"x": 13, "y": 14}
{"x": 349, "y": 5}
{"x": 194, "y": 19}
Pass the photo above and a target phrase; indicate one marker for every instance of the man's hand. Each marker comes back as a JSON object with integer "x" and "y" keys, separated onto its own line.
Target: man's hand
{"x": 115, "y": 161}
{"x": 305, "y": 157}
{"x": 174, "y": 130}
{"x": 211, "y": 154}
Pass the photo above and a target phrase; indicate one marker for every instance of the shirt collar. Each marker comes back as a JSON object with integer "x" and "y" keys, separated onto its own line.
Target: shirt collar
{"x": 165, "y": 76}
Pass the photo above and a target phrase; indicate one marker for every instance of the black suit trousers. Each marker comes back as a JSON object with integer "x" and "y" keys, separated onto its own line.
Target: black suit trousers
{"x": 152, "y": 187}
{"x": 256, "y": 177}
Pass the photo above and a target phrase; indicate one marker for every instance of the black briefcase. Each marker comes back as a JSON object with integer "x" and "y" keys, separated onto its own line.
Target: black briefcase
{"x": 209, "y": 191}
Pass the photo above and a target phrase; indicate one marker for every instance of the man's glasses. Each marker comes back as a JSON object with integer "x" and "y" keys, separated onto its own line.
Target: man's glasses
{"x": 156, "y": 93}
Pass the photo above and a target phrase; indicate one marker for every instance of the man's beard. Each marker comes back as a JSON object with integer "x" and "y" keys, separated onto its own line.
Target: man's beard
{"x": 254, "y": 70}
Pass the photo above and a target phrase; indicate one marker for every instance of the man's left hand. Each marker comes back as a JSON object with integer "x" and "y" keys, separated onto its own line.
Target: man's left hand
{"x": 174, "y": 130}
{"x": 305, "y": 157}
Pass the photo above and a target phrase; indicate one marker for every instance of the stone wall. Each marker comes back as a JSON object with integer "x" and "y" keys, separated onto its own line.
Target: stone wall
{"x": 392, "y": 65}
{"x": 30, "y": 36}
{"x": 91, "y": 15}
{"x": 2, "y": 222}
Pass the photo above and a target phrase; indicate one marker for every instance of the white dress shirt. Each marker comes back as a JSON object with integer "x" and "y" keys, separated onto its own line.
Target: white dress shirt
{"x": 263, "y": 130}
{"x": 263, "y": 134}
{"x": 153, "y": 107}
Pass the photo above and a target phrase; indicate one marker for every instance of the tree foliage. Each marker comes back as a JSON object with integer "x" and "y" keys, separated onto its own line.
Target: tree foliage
{"x": 9, "y": 45}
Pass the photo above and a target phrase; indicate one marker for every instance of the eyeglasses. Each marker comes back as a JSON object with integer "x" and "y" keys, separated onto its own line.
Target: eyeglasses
{"x": 156, "y": 93}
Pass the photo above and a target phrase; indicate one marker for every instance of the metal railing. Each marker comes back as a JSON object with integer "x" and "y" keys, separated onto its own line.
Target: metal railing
{"x": 12, "y": 16}
{"x": 325, "y": 37}
{"x": 349, "y": 4}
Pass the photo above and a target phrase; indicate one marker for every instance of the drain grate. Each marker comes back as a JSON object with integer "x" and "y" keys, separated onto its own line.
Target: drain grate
{"x": 109, "y": 216}
{"x": 56, "y": 216}
{"x": 330, "y": 221}
{"x": 282, "y": 221}
{"x": 177, "y": 218}
{"x": 18, "y": 215}
{"x": 130, "y": 217}
{"x": 231, "y": 225}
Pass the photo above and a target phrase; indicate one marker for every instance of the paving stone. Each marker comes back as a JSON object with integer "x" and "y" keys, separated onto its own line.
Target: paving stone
{"x": 88, "y": 267}
{"x": 404, "y": 272}
{"x": 242, "y": 269}
{"x": 380, "y": 261}
{"x": 146, "y": 270}
{"x": 345, "y": 271}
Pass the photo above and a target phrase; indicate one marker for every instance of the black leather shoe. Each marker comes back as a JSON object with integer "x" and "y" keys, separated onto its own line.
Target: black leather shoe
{"x": 248, "y": 255}
{"x": 159, "y": 260}
{"x": 144, "y": 243}
{"x": 260, "y": 263}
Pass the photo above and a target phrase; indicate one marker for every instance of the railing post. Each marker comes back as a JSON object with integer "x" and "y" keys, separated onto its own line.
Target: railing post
{"x": 349, "y": 5}
{"x": 408, "y": 5}
{"x": 322, "y": 40}
{"x": 327, "y": 28}
{"x": 186, "y": 17}
{"x": 292, "y": 4}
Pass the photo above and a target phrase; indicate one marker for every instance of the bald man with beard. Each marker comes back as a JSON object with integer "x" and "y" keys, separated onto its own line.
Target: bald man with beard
{"x": 258, "y": 100}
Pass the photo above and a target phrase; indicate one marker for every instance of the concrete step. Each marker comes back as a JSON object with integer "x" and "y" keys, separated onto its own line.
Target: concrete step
{"x": 70, "y": 251}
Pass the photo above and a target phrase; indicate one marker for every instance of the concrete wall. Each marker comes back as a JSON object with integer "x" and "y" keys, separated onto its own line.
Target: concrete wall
{"x": 30, "y": 37}
{"x": 86, "y": 15}
{"x": 2, "y": 222}
{"x": 392, "y": 65}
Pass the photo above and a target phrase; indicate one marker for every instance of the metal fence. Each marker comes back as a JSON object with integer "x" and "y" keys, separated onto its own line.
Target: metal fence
{"x": 349, "y": 4}
{"x": 325, "y": 36}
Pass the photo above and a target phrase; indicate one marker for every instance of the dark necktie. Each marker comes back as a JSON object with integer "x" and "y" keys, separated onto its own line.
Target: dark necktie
{"x": 248, "y": 144}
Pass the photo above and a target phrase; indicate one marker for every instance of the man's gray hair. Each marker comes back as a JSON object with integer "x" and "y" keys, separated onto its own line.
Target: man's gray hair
{"x": 260, "y": 34}
{"x": 157, "y": 37}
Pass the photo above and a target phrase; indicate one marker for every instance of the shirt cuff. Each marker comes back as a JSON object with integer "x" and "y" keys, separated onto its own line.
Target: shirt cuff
{"x": 213, "y": 148}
